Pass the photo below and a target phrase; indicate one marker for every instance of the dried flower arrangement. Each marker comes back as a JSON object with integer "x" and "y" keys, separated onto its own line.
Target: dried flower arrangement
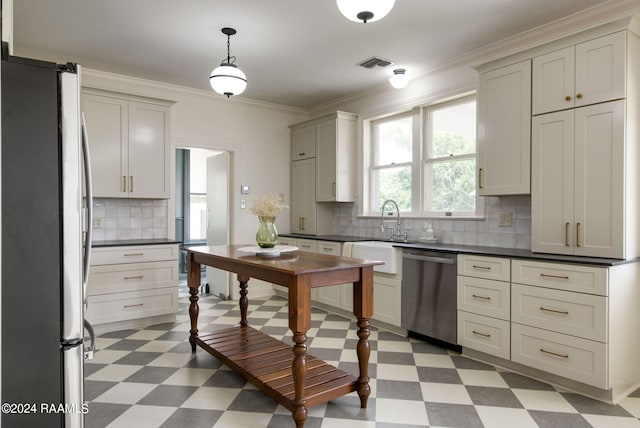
{"x": 267, "y": 206}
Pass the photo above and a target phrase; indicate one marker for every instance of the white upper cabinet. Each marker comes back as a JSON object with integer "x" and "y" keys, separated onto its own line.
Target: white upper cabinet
{"x": 303, "y": 142}
{"x": 335, "y": 157}
{"x": 584, "y": 74}
{"x": 331, "y": 141}
{"x": 130, "y": 146}
{"x": 578, "y": 181}
{"x": 504, "y": 130}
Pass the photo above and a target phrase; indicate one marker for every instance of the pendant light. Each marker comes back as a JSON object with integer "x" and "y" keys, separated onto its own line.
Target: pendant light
{"x": 365, "y": 10}
{"x": 399, "y": 79}
{"x": 228, "y": 79}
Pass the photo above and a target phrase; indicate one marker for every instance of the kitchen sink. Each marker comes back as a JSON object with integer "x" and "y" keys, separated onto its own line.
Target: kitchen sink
{"x": 378, "y": 250}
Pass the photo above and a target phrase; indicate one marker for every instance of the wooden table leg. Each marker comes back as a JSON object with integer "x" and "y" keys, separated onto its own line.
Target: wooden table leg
{"x": 299, "y": 323}
{"x": 244, "y": 301}
{"x": 193, "y": 281}
{"x": 363, "y": 310}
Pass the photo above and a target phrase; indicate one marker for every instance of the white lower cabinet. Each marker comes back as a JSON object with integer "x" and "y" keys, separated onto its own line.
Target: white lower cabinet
{"x": 484, "y": 304}
{"x": 569, "y": 324}
{"x": 132, "y": 284}
{"x": 560, "y": 319}
{"x": 568, "y": 356}
{"x": 386, "y": 287}
{"x": 485, "y": 334}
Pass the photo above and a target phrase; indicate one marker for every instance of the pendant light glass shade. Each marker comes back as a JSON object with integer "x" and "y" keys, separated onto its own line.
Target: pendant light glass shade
{"x": 227, "y": 79}
{"x": 365, "y": 10}
{"x": 399, "y": 79}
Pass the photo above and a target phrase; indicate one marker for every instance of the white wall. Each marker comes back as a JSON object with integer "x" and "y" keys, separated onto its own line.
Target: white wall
{"x": 256, "y": 134}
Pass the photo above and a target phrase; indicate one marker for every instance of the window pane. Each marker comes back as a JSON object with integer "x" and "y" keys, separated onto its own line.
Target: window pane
{"x": 394, "y": 183}
{"x": 393, "y": 141}
{"x": 197, "y": 217}
{"x": 454, "y": 130}
{"x": 453, "y": 186}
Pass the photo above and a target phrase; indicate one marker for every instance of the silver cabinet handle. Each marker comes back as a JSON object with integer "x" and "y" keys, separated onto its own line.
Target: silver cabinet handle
{"x": 481, "y": 267}
{"x": 134, "y": 277}
{"x": 546, "y": 275}
{"x": 542, "y": 308}
{"x": 481, "y": 297}
{"x": 124, "y": 183}
{"x": 481, "y": 334}
{"x": 133, "y": 254}
{"x": 133, "y": 306}
{"x": 578, "y": 235}
{"x": 131, "y": 183}
{"x": 553, "y": 353}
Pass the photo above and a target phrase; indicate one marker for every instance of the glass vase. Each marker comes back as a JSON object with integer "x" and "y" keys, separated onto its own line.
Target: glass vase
{"x": 267, "y": 235}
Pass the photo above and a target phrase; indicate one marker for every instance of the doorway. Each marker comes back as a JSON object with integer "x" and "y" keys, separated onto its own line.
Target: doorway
{"x": 202, "y": 210}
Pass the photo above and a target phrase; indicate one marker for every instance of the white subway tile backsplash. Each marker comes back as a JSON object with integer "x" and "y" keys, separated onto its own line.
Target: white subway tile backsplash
{"x": 122, "y": 219}
{"x": 483, "y": 232}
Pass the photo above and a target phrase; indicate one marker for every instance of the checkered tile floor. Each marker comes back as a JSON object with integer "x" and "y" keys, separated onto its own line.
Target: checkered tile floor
{"x": 149, "y": 378}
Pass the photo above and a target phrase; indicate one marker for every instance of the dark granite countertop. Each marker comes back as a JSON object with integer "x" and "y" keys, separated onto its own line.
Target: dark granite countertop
{"x": 131, "y": 242}
{"x": 476, "y": 249}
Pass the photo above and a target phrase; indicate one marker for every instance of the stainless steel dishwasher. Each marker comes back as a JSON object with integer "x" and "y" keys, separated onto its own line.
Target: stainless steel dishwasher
{"x": 429, "y": 294}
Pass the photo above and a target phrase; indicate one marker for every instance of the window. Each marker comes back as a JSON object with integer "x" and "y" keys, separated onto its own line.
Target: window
{"x": 433, "y": 177}
{"x": 450, "y": 158}
{"x": 391, "y": 163}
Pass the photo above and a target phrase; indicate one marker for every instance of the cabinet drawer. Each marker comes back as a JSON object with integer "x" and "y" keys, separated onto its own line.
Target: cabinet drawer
{"x": 484, "y": 267}
{"x": 484, "y": 297}
{"x": 286, "y": 241}
{"x": 327, "y": 247}
{"x": 567, "y": 356}
{"x": 132, "y": 277}
{"x": 584, "y": 279}
{"x": 484, "y": 334}
{"x": 582, "y": 315}
{"x": 134, "y": 254}
{"x": 307, "y": 245}
{"x": 131, "y": 305}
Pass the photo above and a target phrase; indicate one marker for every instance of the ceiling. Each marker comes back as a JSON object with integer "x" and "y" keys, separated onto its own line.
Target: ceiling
{"x": 299, "y": 53}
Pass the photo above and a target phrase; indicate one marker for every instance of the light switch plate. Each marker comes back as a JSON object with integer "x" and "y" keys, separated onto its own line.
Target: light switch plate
{"x": 505, "y": 220}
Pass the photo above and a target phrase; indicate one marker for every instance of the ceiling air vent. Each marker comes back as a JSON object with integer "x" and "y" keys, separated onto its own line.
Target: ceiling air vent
{"x": 374, "y": 61}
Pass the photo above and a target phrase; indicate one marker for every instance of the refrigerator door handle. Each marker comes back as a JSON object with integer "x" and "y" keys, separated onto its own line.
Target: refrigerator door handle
{"x": 89, "y": 208}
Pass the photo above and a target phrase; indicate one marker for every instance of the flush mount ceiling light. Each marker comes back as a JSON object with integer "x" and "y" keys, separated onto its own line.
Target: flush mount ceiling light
{"x": 228, "y": 79}
{"x": 399, "y": 79}
{"x": 365, "y": 10}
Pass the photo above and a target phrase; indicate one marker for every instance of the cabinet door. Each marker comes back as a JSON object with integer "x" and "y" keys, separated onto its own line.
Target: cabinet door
{"x": 107, "y": 130}
{"x": 552, "y": 183}
{"x": 303, "y": 196}
{"x": 553, "y": 81}
{"x": 149, "y": 155}
{"x": 335, "y": 159}
{"x": 599, "y": 185}
{"x": 600, "y": 69}
{"x": 303, "y": 142}
{"x": 326, "y": 161}
{"x": 504, "y": 130}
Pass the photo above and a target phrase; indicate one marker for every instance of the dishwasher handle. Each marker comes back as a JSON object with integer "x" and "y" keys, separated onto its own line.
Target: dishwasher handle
{"x": 442, "y": 260}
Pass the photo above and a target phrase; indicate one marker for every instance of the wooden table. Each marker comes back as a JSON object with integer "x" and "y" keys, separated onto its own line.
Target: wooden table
{"x": 299, "y": 381}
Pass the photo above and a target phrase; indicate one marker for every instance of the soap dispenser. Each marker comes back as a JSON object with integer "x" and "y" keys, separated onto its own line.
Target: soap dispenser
{"x": 429, "y": 233}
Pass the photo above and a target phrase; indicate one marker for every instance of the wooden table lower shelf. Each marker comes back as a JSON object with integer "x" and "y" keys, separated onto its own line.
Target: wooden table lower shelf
{"x": 266, "y": 363}
{"x": 286, "y": 373}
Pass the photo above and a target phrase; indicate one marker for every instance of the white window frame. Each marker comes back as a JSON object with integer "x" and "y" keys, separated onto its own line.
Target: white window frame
{"x": 420, "y": 163}
{"x": 428, "y": 161}
{"x": 375, "y": 167}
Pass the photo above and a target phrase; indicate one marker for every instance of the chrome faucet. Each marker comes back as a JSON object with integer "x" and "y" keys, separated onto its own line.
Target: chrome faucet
{"x": 396, "y": 232}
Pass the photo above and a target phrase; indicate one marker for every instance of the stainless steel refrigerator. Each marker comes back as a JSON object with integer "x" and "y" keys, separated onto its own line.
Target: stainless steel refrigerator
{"x": 45, "y": 232}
